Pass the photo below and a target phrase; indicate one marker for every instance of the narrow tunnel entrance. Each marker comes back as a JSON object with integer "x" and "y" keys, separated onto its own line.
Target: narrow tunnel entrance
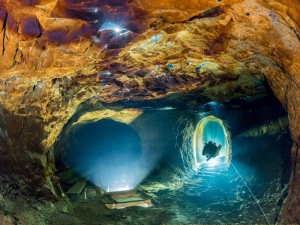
{"x": 105, "y": 152}
{"x": 211, "y": 131}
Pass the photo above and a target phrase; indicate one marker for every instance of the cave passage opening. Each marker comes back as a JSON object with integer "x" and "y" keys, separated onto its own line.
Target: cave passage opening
{"x": 211, "y": 129}
{"x": 107, "y": 153}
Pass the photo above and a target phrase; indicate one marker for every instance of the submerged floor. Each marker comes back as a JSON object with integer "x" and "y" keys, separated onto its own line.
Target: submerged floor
{"x": 212, "y": 195}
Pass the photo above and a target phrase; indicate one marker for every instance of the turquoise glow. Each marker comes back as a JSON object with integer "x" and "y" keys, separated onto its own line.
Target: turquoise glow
{"x": 214, "y": 132}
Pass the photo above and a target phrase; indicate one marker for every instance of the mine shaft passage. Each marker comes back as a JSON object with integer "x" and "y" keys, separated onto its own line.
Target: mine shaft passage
{"x": 106, "y": 152}
{"x": 211, "y": 141}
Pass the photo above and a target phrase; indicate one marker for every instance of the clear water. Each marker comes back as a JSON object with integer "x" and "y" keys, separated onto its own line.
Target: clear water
{"x": 214, "y": 132}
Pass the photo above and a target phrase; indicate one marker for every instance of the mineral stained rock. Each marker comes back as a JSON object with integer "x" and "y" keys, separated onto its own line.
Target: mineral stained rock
{"x": 54, "y": 56}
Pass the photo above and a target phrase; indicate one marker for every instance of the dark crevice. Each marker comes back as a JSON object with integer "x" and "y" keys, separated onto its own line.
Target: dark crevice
{"x": 14, "y": 58}
{"x": 286, "y": 97}
{"x": 4, "y": 33}
{"x": 23, "y": 125}
{"x": 91, "y": 44}
{"x": 41, "y": 33}
{"x": 212, "y": 12}
{"x": 297, "y": 34}
{"x": 296, "y": 160}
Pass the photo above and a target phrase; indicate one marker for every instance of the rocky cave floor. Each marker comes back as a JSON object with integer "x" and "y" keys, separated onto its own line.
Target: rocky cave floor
{"x": 211, "y": 196}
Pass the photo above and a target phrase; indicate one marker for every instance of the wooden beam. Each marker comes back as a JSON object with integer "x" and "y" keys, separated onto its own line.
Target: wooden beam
{"x": 77, "y": 188}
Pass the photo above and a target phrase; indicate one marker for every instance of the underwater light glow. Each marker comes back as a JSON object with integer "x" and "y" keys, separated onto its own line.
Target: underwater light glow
{"x": 211, "y": 129}
{"x": 126, "y": 188}
{"x": 214, "y": 161}
{"x": 213, "y": 103}
{"x": 117, "y": 29}
{"x": 110, "y": 152}
{"x": 111, "y": 26}
{"x": 94, "y": 10}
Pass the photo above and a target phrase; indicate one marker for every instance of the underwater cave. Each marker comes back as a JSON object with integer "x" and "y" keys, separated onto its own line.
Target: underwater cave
{"x": 149, "y": 112}
{"x": 211, "y": 129}
{"x": 157, "y": 158}
{"x": 109, "y": 150}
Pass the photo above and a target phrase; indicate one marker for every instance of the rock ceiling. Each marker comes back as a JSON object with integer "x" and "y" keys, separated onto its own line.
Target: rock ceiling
{"x": 56, "y": 54}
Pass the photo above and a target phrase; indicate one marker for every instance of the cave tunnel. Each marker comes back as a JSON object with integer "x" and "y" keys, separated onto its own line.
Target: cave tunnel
{"x": 149, "y": 112}
{"x": 211, "y": 130}
{"x": 155, "y": 149}
{"x": 108, "y": 151}
{"x": 160, "y": 151}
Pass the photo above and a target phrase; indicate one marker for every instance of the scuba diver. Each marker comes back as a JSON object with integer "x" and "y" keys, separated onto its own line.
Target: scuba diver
{"x": 211, "y": 150}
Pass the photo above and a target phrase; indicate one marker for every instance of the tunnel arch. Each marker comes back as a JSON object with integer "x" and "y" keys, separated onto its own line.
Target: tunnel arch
{"x": 108, "y": 151}
{"x": 211, "y": 128}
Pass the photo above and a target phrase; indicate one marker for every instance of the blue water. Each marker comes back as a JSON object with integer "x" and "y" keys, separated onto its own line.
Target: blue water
{"x": 214, "y": 132}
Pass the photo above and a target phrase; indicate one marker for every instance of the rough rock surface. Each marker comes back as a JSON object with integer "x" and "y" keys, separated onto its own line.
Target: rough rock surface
{"x": 52, "y": 58}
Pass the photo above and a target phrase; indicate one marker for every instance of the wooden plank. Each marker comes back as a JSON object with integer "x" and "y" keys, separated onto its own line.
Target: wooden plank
{"x": 145, "y": 203}
{"x": 123, "y": 194}
{"x": 107, "y": 200}
{"x": 67, "y": 175}
{"x": 90, "y": 192}
{"x": 130, "y": 199}
{"x": 77, "y": 188}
